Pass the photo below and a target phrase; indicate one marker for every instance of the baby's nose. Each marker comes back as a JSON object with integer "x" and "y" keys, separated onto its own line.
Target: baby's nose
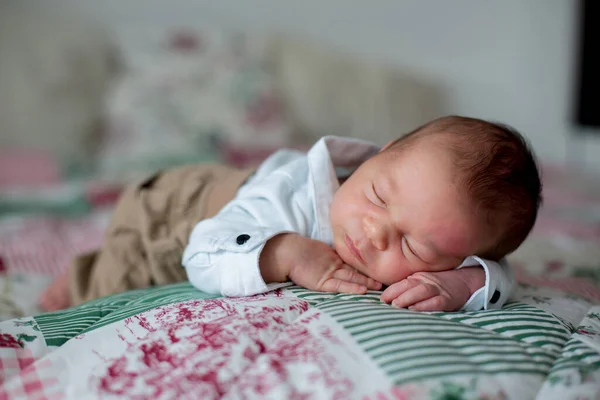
{"x": 376, "y": 232}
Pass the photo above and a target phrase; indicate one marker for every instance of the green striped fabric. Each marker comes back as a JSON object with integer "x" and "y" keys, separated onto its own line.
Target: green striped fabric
{"x": 60, "y": 326}
{"x": 575, "y": 355}
{"x": 519, "y": 321}
{"x": 411, "y": 346}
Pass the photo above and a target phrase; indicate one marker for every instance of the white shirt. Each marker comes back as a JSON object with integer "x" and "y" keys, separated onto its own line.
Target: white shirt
{"x": 291, "y": 192}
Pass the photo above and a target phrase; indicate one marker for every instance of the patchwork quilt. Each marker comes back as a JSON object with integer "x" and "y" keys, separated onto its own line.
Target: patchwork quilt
{"x": 176, "y": 342}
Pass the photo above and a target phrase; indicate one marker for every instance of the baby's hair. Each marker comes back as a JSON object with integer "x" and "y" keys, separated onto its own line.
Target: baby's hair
{"x": 498, "y": 170}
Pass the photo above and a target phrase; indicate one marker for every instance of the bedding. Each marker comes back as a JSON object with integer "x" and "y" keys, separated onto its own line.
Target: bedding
{"x": 177, "y": 342}
{"x": 190, "y": 96}
{"x": 41, "y": 230}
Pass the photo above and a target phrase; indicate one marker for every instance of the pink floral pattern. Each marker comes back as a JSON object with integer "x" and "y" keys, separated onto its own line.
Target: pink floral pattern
{"x": 241, "y": 348}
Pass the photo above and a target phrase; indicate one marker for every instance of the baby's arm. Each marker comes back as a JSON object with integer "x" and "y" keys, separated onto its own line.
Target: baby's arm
{"x": 436, "y": 291}
{"x": 256, "y": 244}
{"x": 235, "y": 256}
{"x": 311, "y": 264}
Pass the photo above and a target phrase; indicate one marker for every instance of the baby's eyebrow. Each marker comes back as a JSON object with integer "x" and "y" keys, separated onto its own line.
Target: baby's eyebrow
{"x": 427, "y": 244}
{"x": 435, "y": 248}
{"x": 432, "y": 245}
{"x": 385, "y": 186}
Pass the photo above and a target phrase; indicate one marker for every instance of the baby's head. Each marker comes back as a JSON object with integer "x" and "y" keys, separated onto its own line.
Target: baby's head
{"x": 452, "y": 188}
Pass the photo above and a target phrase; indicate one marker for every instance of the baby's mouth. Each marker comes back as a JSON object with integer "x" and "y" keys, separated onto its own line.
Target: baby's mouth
{"x": 353, "y": 249}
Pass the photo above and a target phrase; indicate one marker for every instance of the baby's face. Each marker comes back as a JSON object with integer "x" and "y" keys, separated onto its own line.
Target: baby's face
{"x": 401, "y": 212}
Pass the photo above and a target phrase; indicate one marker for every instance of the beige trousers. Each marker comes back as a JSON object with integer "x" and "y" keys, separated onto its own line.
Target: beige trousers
{"x": 150, "y": 229}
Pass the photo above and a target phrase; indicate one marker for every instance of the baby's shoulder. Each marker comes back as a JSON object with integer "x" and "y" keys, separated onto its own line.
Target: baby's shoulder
{"x": 280, "y": 159}
{"x": 284, "y": 163}
{"x": 281, "y": 174}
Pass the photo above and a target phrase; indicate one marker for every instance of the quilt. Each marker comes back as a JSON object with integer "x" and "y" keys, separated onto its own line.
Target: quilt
{"x": 176, "y": 342}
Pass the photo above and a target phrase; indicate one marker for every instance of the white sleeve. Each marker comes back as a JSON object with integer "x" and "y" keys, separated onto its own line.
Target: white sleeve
{"x": 223, "y": 252}
{"x": 500, "y": 284}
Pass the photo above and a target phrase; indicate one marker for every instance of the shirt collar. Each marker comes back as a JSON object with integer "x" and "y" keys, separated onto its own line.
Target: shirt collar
{"x": 329, "y": 153}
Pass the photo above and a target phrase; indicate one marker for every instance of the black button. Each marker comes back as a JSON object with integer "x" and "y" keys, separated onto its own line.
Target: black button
{"x": 495, "y": 297}
{"x": 242, "y": 239}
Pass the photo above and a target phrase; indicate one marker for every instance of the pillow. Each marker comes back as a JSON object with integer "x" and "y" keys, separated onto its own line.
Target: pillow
{"x": 328, "y": 92}
{"x": 188, "y": 100}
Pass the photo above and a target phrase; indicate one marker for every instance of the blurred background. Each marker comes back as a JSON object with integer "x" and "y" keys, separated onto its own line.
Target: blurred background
{"x": 114, "y": 87}
{"x": 96, "y": 94}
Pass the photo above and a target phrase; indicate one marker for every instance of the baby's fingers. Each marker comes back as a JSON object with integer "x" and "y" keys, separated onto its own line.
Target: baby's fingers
{"x": 437, "y": 303}
{"x": 396, "y": 289}
{"x": 414, "y": 295}
{"x": 340, "y": 286}
{"x": 351, "y": 275}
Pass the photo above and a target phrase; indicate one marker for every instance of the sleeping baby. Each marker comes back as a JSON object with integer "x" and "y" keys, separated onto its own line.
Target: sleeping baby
{"x": 428, "y": 218}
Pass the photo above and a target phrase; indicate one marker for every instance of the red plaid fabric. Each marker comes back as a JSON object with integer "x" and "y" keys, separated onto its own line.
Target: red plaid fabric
{"x": 45, "y": 245}
{"x": 26, "y": 167}
{"x": 13, "y": 361}
{"x": 34, "y": 381}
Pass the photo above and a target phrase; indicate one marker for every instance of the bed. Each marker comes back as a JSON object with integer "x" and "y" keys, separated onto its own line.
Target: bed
{"x": 177, "y": 342}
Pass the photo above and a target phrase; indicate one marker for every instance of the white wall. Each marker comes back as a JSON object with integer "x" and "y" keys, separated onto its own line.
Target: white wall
{"x": 510, "y": 60}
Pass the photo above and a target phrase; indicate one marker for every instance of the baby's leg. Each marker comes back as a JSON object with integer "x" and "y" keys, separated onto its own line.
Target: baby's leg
{"x": 147, "y": 234}
{"x": 57, "y": 296}
{"x": 79, "y": 281}
{"x": 64, "y": 291}
{"x": 121, "y": 264}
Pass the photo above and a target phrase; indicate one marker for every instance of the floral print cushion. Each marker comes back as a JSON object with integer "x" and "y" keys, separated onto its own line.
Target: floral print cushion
{"x": 190, "y": 98}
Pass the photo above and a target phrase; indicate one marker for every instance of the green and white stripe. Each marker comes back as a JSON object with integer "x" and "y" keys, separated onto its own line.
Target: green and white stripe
{"x": 519, "y": 321}
{"x": 575, "y": 355}
{"x": 411, "y": 346}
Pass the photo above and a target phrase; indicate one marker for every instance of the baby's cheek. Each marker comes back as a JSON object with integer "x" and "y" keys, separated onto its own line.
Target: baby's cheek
{"x": 390, "y": 272}
{"x": 342, "y": 251}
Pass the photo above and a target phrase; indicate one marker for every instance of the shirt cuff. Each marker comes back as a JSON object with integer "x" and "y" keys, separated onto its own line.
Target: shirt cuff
{"x": 499, "y": 284}
{"x": 230, "y": 266}
{"x": 240, "y": 275}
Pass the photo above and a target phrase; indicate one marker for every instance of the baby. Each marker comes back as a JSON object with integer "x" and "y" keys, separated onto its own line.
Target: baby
{"x": 405, "y": 216}
{"x": 430, "y": 215}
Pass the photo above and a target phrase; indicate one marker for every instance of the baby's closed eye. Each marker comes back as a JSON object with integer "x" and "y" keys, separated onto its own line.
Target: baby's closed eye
{"x": 407, "y": 249}
{"x": 375, "y": 197}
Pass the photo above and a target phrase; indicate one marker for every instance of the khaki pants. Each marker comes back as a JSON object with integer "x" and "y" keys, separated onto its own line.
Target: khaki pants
{"x": 150, "y": 229}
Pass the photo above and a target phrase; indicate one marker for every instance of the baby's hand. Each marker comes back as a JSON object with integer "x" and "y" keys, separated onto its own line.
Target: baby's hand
{"x": 312, "y": 264}
{"x": 435, "y": 291}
